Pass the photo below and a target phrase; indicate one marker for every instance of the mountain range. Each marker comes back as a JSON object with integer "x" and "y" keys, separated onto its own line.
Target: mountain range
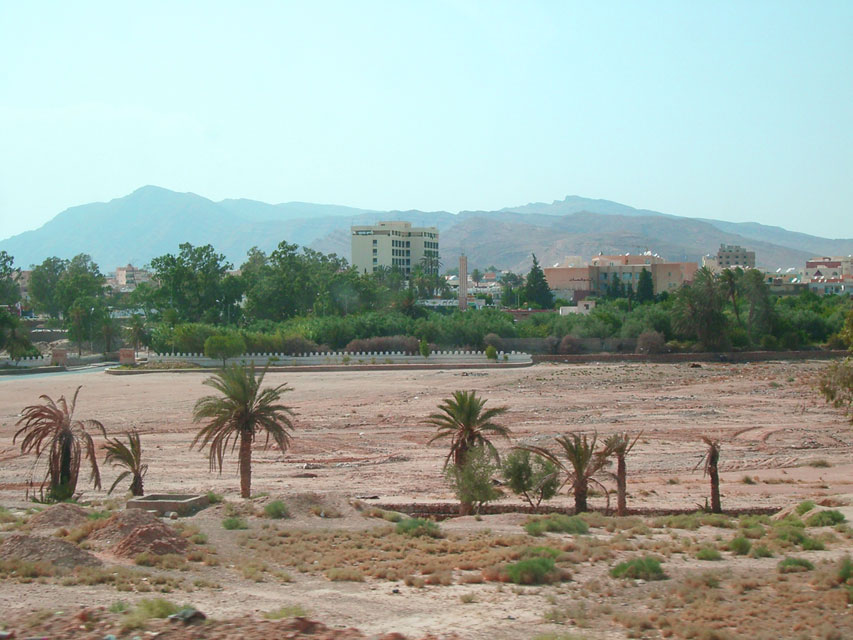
{"x": 153, "y": 221}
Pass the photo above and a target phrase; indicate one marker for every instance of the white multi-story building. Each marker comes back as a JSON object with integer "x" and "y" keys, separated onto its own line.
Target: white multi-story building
{"x": 394, "y": 244}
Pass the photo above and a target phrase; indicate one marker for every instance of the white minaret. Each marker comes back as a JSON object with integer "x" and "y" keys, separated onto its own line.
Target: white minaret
{"x": 463, "y": 282}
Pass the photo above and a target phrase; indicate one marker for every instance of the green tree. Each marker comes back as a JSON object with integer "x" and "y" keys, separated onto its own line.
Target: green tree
{"x": 50, "y": 428}
{"x": 698, "y": 310}
{"x": 137, "y": 331}
{"x": 536, "y": 288}
{"x": 44, "y": 286}
{"x": 463, "y": 420}
{"x": 14, "y": 337}
{"x": 225, "y": 346}
{"x": 10, "y": 290}
{"x": 191, "y": 283}
{"x": 81, "y": 279}
{"x": 476, "y": 276}
{"x": 731, "y": 279}
{"x": 472, "y": 482}
{"x": 83, "y": 318}
{"x": 241, "y": 412}
{"x": 129, "y": 457}
{"x": 619, "y": 445}
{"x": 583, "y": 462}
{"x": 532, "y": 476}
{"x": 645, "y": 287}
{"x": 760, "y": 317}
{"x": 836, "y": 386}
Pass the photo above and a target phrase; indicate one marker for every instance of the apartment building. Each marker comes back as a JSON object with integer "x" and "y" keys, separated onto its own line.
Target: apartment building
{"x": 394, "y": 244}
{"x": 732, "y": 255}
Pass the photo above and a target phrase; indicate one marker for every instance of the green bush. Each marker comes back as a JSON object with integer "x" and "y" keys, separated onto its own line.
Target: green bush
{"x": 491, "y": 353}
{"x": 276, "y": 510}
{"x": 531, "y": 571}
{"x": 761, "y": 551}
{"x": 708, "y": 553}
{"x": 145, "y": 610}
{"x": 805, "y": 506}
{"x": 740, "y": 546}
{"x": 825, "y": 519}
{"x": 472, "y": 482}
{"x": 417, "y": 527}
{"x": 423, "y": 347}
{"x": 223, "y": 347}
{"x": 530, "y": 475}
{"x": 214, "y": 498}
{"x": 810, "y": 544}
{"x": 645, "y": 568}
{"x": 234, "y": 523}
{"x": 845, "y": 570}
{"x": 556, "y": 523}
{"x": 794, "y": 565}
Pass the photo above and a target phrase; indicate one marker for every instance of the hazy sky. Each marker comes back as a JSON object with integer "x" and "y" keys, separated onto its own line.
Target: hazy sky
{"x": 734, "y": 110}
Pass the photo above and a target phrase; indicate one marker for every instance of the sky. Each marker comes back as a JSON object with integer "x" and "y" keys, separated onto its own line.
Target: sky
{"x": 738, "y": 111}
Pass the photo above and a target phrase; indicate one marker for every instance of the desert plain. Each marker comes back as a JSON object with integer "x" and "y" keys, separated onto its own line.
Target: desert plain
{"x": 360, "y": 442}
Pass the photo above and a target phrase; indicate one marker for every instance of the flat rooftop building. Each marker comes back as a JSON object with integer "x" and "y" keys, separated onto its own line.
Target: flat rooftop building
{"x": 394, "y": 244}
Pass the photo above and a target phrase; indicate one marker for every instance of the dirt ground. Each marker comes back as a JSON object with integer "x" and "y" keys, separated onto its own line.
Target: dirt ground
{"x": 362, "y": 434}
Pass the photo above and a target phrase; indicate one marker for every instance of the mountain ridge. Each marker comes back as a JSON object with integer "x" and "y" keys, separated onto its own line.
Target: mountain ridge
{"x": 153, "y": 220}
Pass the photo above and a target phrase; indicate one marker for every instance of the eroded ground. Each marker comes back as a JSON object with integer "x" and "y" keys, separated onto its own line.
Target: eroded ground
{"x": 361, "y": 434}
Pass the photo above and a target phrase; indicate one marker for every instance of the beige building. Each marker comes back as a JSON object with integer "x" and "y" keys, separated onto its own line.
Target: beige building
{"x": 575, "y": 283}
{"x": 394, "y": 244}
{"x": 729, "y": 256}
{"x": 128, "y": 278}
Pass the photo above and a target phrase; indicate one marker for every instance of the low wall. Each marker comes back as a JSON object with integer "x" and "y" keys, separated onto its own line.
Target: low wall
{"x": 728, "y": 356}
{"x": 26, "y": 363}
{"x": 342, "y": 358}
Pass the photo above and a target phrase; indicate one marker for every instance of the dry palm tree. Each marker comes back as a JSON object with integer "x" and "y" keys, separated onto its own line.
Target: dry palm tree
{"x": 619, "y": 445}
{"x": 128, "y": 456}
{"x": 50, "y": 428}
{"x": 241, "y": 411}
{"x": 711, "y": 460}
{"x": 463, "y": 420}
{"x": 582, "y": 464}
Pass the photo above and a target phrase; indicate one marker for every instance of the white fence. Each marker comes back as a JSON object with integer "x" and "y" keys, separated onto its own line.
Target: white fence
{"x": 26, "y": 363}
{"x": 346, "y": 358}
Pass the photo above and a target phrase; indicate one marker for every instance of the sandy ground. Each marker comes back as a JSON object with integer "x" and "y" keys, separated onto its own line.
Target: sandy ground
{"x": 362, "y": 434}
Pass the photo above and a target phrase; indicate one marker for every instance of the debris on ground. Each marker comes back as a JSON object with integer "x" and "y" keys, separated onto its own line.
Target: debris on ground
{"x": 46, "y": 550}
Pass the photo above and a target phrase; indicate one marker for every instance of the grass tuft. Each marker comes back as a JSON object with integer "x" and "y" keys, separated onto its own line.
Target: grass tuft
{"x": 276, "y": 510}
{"x": 234, "y": 523}
{"x": 794, "y": 565}
{"x": 645, "y": 568}
{"x": 417, "y": 527}
{"x": 825, "y": 519}
{"x": 556, "y": 523}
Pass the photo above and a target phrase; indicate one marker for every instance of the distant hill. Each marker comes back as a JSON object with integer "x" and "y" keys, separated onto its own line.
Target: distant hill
{"x": 152, "y": 221}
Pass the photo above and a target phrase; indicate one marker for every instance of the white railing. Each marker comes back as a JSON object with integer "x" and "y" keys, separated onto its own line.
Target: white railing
{"x": 345, "y": 358}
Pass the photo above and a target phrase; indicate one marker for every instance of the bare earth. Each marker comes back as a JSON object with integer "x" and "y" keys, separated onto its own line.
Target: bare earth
{"x": 362, "y": 434}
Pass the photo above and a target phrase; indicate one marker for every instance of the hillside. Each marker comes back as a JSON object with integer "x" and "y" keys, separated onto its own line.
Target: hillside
{"x": 152, "y": 221}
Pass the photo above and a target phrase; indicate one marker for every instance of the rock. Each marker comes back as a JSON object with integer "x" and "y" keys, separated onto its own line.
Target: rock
{"x": 6, "y": 635}
{"x": 173, "y": 515}
{"x": 188, "y": 615}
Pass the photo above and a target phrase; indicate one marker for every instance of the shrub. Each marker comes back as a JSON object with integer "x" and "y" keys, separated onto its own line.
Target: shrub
{"x": 224, "y": 347}
{"x": 645, "y": 568}
{"x": 145, "y": 610}
{"x": 650, "y": 342}
{"x": 740, "y": 546}
{"x": 291, "y": 611}
{"x": 472, "y": 482}
{"x": 531, "y": 571}
{"x": 805, "y": 506}
{"x": 761, "y": 551}
{"x": 530, "y": 475}
{"x": 234, "y": 523}
{"x": 825, "y": 519}
{"x": 556, "y": 523}
{"x": 493, "y": 340}
{"x": 810, "y": 544}
{"x": 569, "y": 345}
{"x": 406, "y": 344}
{"x": 417, "y": 527}
{"x": 214, "y": 498}
{"x": 276, "y": 510}
{"x": 423, "y": 347}
{"x": 345, "y": 574}
{"x": 491, "y": 353}
{"x": 708, "y": 553}
{"x": 845, "y": 570}
{"x": 794, "y": 565}
{"x": 294, "y": 345}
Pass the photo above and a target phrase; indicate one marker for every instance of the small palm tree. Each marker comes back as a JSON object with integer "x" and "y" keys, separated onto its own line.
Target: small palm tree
{"x": 463, "y": 419}
{"x": 128, "y": 456}
{"x": 620, "y": 445}
{"x": 583, "y": 463}
{"x": 50, "y": 428}
{"x": 241, "y": 411}
{"x": 136, "y": 331}
{"x": 712, "y": 460}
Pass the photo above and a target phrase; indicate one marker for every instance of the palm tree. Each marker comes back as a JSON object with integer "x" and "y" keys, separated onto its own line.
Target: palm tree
{"x": 241, "y": 411}
{"x": 731, "y": 283}
{"x": 711, "y": 460}
{"x": 582, "y": 464}
{"x": 136, "y": 330}
{"x": 463, "y": 419}
{"x": 50, "y": 428}
{"x": 128, "y": 456}
{"x": 620, "y": 445}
